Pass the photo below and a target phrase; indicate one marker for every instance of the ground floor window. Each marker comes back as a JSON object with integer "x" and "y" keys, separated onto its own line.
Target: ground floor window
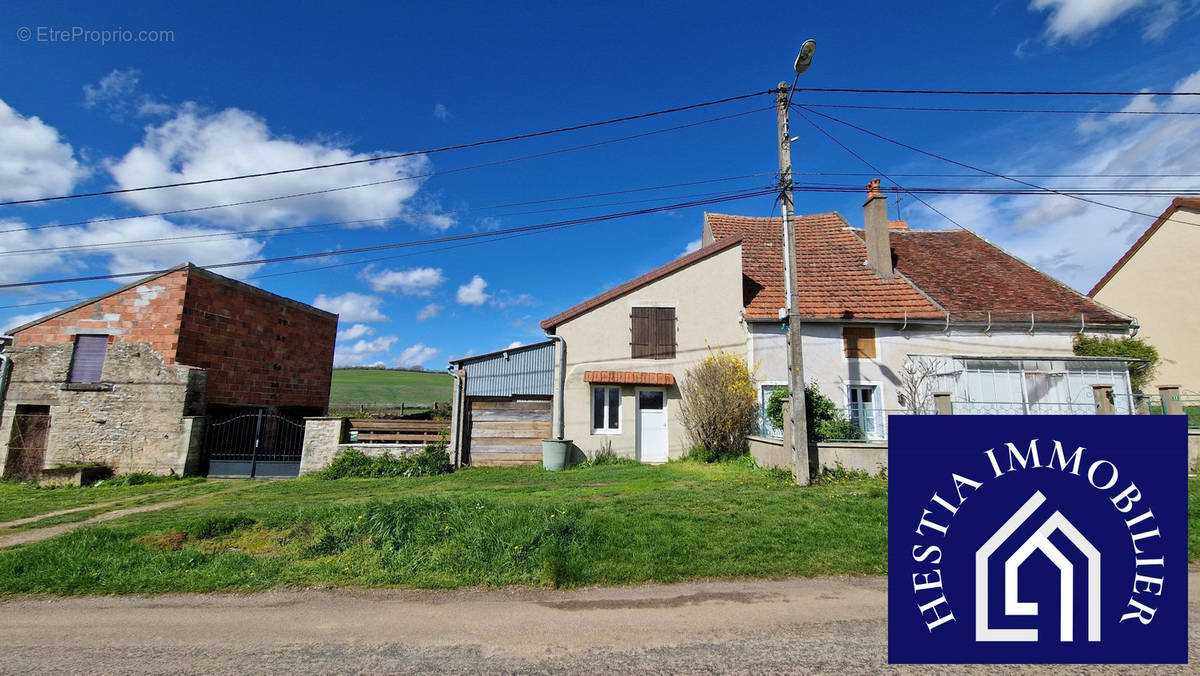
{"x": 863, "y": 409}
{"x": 765, "y": 392}
{"x": 606, "y": 410}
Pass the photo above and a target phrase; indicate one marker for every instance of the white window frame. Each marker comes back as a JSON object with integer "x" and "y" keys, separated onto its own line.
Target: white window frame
{"x": 607, "y": 403}
{"x": 880, "y": 431}
{"x": 763, "y": 399}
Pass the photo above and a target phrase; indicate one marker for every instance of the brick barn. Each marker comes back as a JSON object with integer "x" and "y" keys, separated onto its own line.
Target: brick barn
{"x": 185, "y": 371}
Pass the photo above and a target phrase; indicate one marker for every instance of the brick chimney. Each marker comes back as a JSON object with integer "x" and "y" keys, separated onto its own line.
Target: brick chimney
{"x": 875, "y": 218}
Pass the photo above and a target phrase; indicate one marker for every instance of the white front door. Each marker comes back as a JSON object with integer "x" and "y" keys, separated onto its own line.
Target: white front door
{"x": 652, "y": 425}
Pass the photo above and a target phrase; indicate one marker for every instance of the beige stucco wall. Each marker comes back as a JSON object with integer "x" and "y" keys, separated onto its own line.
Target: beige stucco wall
{"x": 707, "y": 297}
{"x": 1158, "y": 287}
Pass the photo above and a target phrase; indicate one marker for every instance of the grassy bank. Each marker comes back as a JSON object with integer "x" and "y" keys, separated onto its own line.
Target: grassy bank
{"x": 488, "y": 527}
{"x": 388, "y": 388}
{"x": 613, "y": 524}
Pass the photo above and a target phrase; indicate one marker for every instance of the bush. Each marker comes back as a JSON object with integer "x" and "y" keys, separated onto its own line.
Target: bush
{"x": 354, "y": 464}
{"x": 719, "y": 404}
{"x": 606, "y": 456}
{"x": 1140, "y": 375}
{"x": 824, "y": 419}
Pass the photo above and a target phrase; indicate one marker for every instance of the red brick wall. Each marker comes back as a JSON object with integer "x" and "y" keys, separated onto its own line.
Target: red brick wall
{"x": 258, "y": 349}
{"x": 149, "y": 313}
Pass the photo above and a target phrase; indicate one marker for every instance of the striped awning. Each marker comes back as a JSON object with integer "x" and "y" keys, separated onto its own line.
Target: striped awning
{"x": 628, "y": 378}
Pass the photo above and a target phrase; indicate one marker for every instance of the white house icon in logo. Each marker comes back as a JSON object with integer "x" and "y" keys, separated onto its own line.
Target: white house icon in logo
{"x": 1039, "y": 541}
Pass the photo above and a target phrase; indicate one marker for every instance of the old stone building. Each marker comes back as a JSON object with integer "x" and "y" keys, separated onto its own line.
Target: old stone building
{"x": 132, "y": 378}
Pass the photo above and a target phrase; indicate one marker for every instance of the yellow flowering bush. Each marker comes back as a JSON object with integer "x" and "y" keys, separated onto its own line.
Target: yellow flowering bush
{"x": 719, "y": 404}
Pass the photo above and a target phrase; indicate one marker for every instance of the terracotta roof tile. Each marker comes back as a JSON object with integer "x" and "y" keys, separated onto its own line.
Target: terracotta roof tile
{"x": 628, "y": 378}
{"x": 833, "y": 282}
{"x": 940, "y": 271}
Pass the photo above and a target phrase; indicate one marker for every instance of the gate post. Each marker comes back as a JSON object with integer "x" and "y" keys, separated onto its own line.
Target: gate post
{"x": 192, "y": 441}
{"x": 1172, "y": 405}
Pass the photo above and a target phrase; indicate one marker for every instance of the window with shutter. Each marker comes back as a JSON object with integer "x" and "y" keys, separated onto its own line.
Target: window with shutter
{"x": 653, "y": 333}
{"x": 860, "y": 342}
{"x": 87, "y": 362}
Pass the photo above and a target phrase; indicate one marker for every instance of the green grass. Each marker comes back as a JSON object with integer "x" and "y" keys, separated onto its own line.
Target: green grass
{"x": 376, "y": 386}
{"x": 20, "y": 500}
{"x": 607, "y": 524}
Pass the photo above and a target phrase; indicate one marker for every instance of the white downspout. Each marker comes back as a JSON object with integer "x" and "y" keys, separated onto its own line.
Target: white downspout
{"x": 560, "y": 395}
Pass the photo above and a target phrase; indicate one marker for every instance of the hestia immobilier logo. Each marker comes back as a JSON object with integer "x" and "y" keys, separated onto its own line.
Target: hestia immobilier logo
{"x": 1037, "y": 539}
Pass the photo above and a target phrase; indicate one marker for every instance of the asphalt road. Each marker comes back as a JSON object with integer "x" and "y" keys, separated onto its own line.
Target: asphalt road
{"x": 793, "y": 625}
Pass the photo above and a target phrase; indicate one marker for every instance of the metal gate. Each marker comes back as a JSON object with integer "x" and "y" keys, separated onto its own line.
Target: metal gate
{"x": 254, "y": 444}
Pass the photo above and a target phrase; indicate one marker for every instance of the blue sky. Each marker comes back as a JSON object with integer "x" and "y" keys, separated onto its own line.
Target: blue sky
{"x": 246, "y": 87}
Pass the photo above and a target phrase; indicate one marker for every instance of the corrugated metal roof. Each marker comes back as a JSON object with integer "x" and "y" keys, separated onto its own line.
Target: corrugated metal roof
{"x": 525, "y": 370}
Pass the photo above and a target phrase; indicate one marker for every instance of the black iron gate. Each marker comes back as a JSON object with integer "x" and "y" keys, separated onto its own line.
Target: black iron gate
{"x": 254, "y": 444}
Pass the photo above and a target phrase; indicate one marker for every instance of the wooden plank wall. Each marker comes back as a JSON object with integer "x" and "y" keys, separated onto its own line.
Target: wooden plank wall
{"x": 508, "y": 432}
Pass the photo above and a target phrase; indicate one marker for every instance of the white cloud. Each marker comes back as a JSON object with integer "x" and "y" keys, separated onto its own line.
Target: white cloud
{"x": 691, "y": 246}
{"x": 506, "y": 299}
{"x": 354, "y": 332}
{"x": 428, "y": 312}
{"x": 362, "y": 352}
{"x": 441, "y": 112}
{"x": 35, "y": 161}
{"x": 411, "y": 282}
{"x": 23, "y": 319}
{"x": 515, "y": 343}
{"x": 416, "y": 355}
{"x": 159, "y": 250}
{"x": 1074, "y": 20}
{"x": 352, "y": 307}
{"x": 195, "y": 145}
{"x": 472, "y": 293}
{"x": 1077, "y": 241}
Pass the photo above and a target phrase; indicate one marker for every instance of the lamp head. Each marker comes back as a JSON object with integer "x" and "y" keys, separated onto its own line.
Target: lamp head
{"x": 805, "y": 57}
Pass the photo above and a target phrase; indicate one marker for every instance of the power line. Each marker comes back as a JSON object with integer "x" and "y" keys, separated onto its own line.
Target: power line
{"x": 862, "y": 159}
{"x": 323, "y": 227}
{"x": 978, "y": 92}
{"x": 392, "y": 156}
{"x": 441, "y": 172}
{"x": 976, "y": 175}
{"x": 397, "y": 245}
{"x": 985, "y": 171}
{"x": 1058, "y": 111}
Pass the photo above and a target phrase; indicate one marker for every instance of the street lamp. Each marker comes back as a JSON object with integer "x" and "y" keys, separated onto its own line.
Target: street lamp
{"x": 797, "y": 444}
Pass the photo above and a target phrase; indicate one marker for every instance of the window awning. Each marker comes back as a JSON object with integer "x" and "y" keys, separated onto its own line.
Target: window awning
{"x": 628, "y": 378}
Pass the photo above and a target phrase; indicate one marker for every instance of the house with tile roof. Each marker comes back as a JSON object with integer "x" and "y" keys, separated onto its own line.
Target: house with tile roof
{"x": 1155, "y": 281}
{"x": 996, "y": 333}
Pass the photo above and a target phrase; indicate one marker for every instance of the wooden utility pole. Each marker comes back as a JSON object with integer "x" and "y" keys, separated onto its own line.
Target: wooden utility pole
{"x": 797, "y": 443}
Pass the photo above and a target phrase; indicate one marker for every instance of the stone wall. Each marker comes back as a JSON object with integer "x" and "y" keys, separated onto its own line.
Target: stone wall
{"x": 323, "y": 442}
{"x": 133, "y": 420}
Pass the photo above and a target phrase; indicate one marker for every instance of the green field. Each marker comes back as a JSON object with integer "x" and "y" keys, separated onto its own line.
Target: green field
{"x": 388, "y": 388}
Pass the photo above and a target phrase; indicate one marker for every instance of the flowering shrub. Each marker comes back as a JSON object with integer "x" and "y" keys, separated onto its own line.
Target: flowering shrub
{"x": 719, "y": 404}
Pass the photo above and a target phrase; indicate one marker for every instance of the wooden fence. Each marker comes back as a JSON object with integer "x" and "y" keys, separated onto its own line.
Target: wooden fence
{"x": 364, "y": 431}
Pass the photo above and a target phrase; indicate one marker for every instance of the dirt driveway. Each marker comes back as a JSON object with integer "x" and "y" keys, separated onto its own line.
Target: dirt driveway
{"x": 793, "y": 625}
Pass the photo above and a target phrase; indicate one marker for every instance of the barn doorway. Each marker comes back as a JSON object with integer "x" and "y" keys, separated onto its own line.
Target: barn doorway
{"x": 27, "y": 443}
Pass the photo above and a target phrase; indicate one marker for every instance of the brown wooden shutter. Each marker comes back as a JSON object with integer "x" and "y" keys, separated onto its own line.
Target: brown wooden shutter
{"x": 664, "y": 335}
{"x": 860, "y": 342}
{"x": 88, "y": 361}
{"x": 643, "y": 328}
